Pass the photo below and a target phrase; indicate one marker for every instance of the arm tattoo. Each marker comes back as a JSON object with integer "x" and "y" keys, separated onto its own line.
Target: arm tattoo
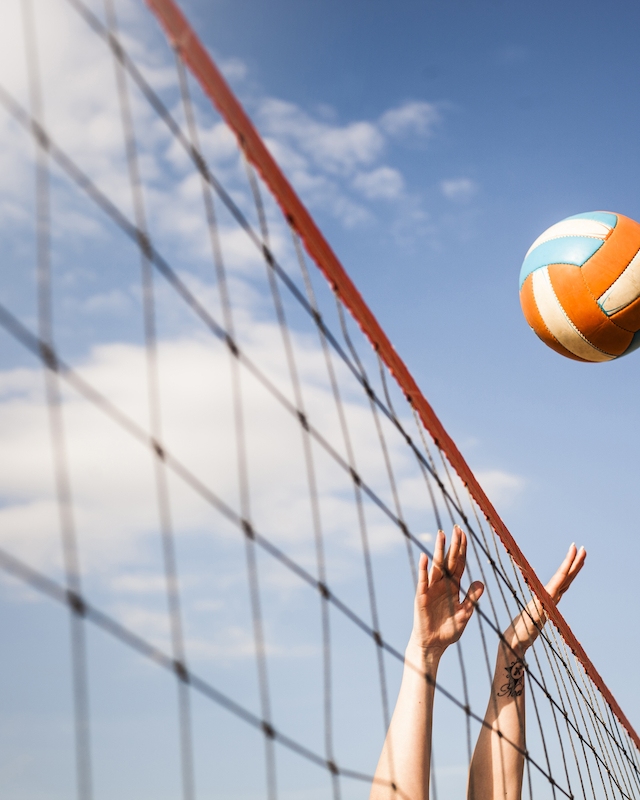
{"x": 515, "y": 680}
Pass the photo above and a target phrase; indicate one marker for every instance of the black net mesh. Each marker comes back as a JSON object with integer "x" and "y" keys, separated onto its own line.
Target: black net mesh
{"x": 213, "y": 494}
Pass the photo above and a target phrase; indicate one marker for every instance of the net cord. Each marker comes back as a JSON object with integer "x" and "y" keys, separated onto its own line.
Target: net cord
{"x": 171, "y": 277}
{"x": 168, "y": 273}
{"x": 184, "y": 39}
{"x": 41, "y": 137}
{"x": 14, "y": 327}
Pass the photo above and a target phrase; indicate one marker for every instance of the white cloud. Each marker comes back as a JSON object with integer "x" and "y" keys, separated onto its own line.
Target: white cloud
{"x": 327, "y": 161}
{"x": 233, "y": 69}
{"x": 502, "y": 487}
{"x": 233, "y": 643}
{"x": 382, "y": 183}
{"x": 115, "y": 505}
{"x": 114, "y": 302}
{"x": 81, "y": 106}
{"x": 139, "y": 583}
{"x": 114, "y": 501}
{"x": 333, "y": 148}
{"x": 460, "y": 190}
{"x": 113, "y": 479}
{"x": 416, "y": 118}
{"x": 340, "y": 167}
{"x": 321, "y": 191}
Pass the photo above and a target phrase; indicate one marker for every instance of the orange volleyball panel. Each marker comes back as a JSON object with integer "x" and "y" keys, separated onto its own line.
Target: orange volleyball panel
{"x": 534, "y": 318}
{"x": 583, "y": 310}
{"x": 606, "y": 264}
{"x": 629, "y": 317}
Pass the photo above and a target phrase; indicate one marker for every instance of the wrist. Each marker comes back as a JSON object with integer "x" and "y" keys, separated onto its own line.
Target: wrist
{"x": 421, "y": 655}
{"x": 514, "y": 648}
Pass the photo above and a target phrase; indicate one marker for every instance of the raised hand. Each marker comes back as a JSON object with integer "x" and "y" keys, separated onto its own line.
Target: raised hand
{"x": 566, "y": 574}
{"x": 524, "y": 629}
{"x": 439, "y": 617}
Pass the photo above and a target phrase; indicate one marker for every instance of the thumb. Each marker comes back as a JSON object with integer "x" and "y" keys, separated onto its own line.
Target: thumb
{"x": 473, "y": 595}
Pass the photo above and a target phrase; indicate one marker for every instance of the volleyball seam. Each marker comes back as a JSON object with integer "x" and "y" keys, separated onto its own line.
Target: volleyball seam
{"x": 569, "y": 320}
{"x": 595, "y": 300}
{"x": 564, "y": 231}
{"x": 567, "y": 352}
{"x": 551, "y": 334}
{"x": 605, "y": 294}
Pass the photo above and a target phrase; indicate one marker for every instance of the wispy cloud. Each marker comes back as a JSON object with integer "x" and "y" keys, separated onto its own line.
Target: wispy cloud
{"x": 502, "y": 487}
{"x": 333, "y": 148}
{"x": 414, "y": 118}
{"x": 460, "y": 190}
{"x": 343, "y": 167}
{"x": 234, "y": 69}
{"x": 384, "y": 182}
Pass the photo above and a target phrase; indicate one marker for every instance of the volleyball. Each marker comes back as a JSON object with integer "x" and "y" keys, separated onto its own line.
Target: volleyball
{"x": 580, "y": 286}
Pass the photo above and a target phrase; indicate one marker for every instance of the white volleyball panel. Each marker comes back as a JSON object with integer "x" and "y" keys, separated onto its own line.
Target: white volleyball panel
{"x": 624, "y": 291}
{"x": 558, "y": 323}
{"x": 572, "y": 227}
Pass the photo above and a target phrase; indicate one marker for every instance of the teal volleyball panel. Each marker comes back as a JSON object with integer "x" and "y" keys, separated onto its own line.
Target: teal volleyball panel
{"x": 606, "y": 217}
{"x": 565, "y": 250}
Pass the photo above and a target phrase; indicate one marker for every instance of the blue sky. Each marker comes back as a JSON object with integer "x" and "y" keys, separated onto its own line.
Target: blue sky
{"x": 433, "y": 142}
{"x": 537, "y": 112}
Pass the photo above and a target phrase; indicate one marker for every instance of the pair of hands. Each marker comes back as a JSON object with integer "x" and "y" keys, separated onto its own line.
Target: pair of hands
{"x": 440, "y": 618}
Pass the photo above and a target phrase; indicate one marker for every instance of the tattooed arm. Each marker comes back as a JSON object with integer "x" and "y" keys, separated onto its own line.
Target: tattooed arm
{"x": 498, "y": 761}
{"x": 439, "y": 619}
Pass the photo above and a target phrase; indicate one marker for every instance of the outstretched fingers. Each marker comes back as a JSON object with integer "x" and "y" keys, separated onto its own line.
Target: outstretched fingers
{"x": 454, "y": 550}
{"x": 567, "y": 572}
{"x": 461, "y": 563}
{"x": 578, "y": 563}
{"x": 574, "y": 569}
{"x": 437, "y": 565}
{"x": 423, "y": 578}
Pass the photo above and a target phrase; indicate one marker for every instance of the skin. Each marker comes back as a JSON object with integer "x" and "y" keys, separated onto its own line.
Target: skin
{"x": 497, "y": 766}
{"x": 439, "y": 620}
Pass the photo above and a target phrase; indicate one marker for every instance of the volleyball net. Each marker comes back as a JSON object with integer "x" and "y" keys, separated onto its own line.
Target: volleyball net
{"x": 217, "y": 473}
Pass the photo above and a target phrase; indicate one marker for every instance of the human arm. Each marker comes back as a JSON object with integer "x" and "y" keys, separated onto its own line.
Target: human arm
{"x": 498, "y": 760}
{"x": 438, "y": 621}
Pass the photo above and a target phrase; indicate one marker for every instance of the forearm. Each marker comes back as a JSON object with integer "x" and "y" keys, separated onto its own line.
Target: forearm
{"x": 498, "y": 761}
{"x": 406, "y": 756}
{"x": 497, "y": 765}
